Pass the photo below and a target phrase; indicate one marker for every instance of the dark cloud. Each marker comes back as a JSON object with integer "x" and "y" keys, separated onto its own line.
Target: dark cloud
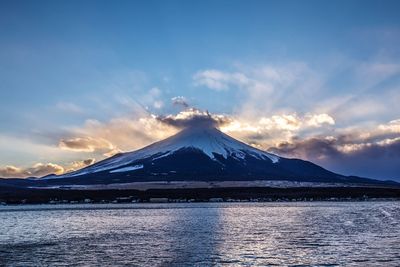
{"x": 256, "y": 137}
{"x": 180, "y": 101}
{"x": 79, "y": 164}
{"x": 87, "y": 162}
{"x": 309, "y": 148}
{"x": 194, "y": 117}
{"x": 375, "y": 160}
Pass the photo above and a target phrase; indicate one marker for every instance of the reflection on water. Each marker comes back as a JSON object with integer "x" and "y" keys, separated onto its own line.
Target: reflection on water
{"x": 202, "y": 234}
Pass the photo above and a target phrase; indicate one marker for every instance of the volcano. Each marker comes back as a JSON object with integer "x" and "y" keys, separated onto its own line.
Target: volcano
{"x": 200, "y": 153}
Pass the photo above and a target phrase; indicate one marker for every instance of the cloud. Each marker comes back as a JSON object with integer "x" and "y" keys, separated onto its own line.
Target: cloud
{"x": 158, "y": 104}
{"x": 264, "y": 132}
{"x": 87, "y": 162}
{"x": 323, "y": 148}
{"x": 289, "y": 122}
{"x": 393, "y": 126}
{"x": 265, "y": 89}
{"x": 317, "y": 120}
{"x": 219, "y": 80}
{"x": 12, "y": 172}
{"x": 37, "y": 170}
{"x": 312, "y": 148}
{"x": 194, "y": 117}
{"x": 86, "y": 144}
{"x": 180, "y": 101}
{"x": 375, "y": 160}
{"x": 153, "y": 98}
{"x": 373, "y": 153}
{"x": 143, "y": 100}
{"x": 345, "y": 141}
{"x": 351, "y": 91}
{"x": 106, "y": 138}
{"x": 43, "y": 169}
{"x": 79, "y": 164}
{"x": 69, "y": 107}
{"x": 373, "y": 73}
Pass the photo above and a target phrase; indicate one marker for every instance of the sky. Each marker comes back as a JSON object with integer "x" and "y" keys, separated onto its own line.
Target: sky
{"x": 83, "y": 80}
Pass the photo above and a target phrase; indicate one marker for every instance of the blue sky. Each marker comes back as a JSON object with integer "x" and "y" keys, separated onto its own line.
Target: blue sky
{"x": 80, "y": 80}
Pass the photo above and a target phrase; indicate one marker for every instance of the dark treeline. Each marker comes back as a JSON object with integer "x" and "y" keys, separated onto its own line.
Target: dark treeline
{"x": 18, "y": 195}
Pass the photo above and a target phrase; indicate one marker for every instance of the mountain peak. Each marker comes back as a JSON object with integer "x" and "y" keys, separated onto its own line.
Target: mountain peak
{"x": 210, "y": 141}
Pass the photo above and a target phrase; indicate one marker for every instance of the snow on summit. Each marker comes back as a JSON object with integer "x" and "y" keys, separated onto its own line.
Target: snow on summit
{"x": 210, "y": 141}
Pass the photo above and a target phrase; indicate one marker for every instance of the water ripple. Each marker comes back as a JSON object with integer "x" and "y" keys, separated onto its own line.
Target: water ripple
{"x": 202, "y": 234}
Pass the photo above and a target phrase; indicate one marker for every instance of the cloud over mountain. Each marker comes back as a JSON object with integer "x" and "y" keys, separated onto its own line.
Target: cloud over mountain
{"x": 86, "y": 144}
{"x": 371, "y": 153}
{"x": 180, "y": 101}
{"x": 42, "y": 169}
{"x": 37, "y": 170}
{"x": 194, "y": 117}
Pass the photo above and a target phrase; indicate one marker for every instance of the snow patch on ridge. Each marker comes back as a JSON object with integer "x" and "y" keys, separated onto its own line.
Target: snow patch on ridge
{"x": 129, "y": 168}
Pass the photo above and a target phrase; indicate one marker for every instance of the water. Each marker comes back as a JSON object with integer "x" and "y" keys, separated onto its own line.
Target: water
{"x": 202, "y": 234}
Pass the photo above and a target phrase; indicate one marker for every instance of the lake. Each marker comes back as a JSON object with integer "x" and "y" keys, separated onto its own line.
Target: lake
{"x": 202, "y": 234}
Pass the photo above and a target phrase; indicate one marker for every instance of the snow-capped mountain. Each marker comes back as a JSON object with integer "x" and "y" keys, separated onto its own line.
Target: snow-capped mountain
{"x": 200, "y": 153}
{"x": 206, "y": 140}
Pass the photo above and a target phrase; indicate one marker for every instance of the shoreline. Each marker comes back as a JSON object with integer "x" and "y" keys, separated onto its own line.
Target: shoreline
{"x": 197, "y": 202}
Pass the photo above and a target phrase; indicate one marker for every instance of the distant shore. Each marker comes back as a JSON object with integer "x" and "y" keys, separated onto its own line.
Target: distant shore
{"x": 228, "y": 194}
